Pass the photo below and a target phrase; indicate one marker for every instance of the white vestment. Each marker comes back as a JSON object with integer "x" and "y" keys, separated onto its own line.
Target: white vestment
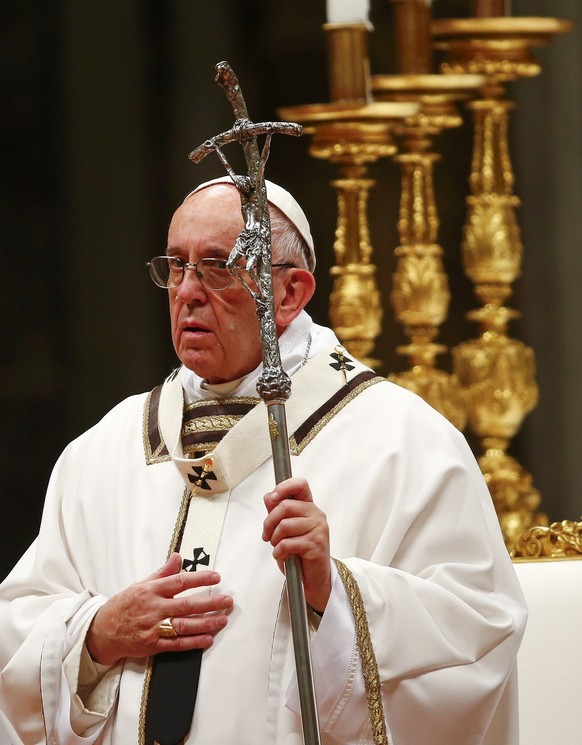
{"x": 409, "y": 516}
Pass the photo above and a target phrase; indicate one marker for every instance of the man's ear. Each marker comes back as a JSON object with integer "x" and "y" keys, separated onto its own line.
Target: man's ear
{"x": 292, "y": 293}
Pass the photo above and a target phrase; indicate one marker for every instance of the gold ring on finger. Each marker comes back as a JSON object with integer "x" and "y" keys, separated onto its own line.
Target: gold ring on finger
{"x": 166, "y": 629}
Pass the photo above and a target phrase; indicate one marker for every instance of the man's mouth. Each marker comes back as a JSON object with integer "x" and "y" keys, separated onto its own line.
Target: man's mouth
{"x": 194, "y": 328}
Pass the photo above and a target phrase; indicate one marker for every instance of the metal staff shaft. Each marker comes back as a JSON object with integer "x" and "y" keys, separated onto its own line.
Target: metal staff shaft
{"x": 253, "y": 245}
{"x": 295, "y": 593}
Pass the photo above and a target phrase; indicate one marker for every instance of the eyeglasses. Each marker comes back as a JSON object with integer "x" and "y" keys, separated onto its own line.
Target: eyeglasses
{"x": 168, "y": 272}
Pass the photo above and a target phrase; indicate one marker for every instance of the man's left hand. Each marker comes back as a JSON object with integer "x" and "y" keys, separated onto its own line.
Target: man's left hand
{"x": 295, "y": 526}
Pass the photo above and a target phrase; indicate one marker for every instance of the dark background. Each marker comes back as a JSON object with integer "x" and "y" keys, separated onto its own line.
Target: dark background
{"x": 100, "y": 103}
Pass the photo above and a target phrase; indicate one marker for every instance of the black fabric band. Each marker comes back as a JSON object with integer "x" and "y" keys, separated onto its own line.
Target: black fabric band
{"x": 172, "y": 695}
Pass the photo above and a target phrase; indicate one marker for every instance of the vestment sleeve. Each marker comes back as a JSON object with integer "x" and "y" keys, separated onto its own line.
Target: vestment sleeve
{"x": 443, "y": 613}
{"x": 93, "y": 687}
{"x": 44, "y": 612}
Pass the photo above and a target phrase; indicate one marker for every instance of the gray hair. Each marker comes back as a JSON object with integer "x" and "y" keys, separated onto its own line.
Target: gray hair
{"x": 289, "y": 246}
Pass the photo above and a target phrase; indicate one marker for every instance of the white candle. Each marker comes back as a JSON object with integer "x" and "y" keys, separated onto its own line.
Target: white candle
{"x": 348, "y": 11}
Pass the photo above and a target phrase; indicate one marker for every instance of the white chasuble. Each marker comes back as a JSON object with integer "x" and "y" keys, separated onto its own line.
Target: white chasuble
{"x": 409, "y": 515}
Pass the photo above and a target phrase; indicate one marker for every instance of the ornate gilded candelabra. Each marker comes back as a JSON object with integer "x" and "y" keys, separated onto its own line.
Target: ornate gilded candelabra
{"x": 496, "y": 371}
{"x": 351, "y": 132}
{"x": 420, "y": 293}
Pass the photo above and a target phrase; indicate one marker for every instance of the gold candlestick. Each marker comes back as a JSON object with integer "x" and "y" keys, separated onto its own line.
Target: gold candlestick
{"x": 499, "y": 47}
{"x": 490, "y": 8}
{"x": 496, "y": 372}
{"x": 420, "y": 293}
{"x": 347, "y": 61}
{"x": 412, "y": 38}
{"x": 351, "y": 132}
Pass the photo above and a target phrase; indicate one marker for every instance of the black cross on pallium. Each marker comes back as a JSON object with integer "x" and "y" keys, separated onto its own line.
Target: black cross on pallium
{"x": 200, "y": 557}
{"x": 201, "y": 477}
{"x": 341, "y": 362}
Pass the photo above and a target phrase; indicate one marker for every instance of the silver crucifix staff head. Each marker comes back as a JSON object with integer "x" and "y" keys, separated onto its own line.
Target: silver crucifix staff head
{"x": 250, "y": 259}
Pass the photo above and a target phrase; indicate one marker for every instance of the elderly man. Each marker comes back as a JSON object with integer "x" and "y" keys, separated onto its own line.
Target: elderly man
{"x": 416, "y": 619}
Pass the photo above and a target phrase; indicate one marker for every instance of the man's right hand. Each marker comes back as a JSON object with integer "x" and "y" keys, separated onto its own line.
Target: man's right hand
{"x": 127, "y": 625}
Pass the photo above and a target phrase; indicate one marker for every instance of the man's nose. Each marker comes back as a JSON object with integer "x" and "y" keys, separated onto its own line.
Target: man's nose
{"x": 191, "y": 288}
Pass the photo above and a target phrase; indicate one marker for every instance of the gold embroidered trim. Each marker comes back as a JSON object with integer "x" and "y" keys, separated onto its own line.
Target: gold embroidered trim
{"x": 211, "y": 423}
{"x": 222, "y": 402}
{"x": 296, "y": 449}
{"x": 203, "y": 448}
{"x": 144, "y": 701}
{"x": 180, "y": 522}
{"x": 151, "y": 456}
{"x": 367, "y": 656}
{"x": 155, "y": 457}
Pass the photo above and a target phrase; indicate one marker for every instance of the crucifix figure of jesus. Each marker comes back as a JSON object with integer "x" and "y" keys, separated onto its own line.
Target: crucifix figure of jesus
{"x": 250, "y": 259}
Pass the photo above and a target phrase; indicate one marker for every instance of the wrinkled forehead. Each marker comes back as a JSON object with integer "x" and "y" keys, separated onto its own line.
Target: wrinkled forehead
{"x": 206, "y": 221}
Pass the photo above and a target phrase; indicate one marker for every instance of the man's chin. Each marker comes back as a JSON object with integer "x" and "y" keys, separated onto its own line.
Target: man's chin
{"x": 200, "y": 364}
{"x": 206, "y": 365}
